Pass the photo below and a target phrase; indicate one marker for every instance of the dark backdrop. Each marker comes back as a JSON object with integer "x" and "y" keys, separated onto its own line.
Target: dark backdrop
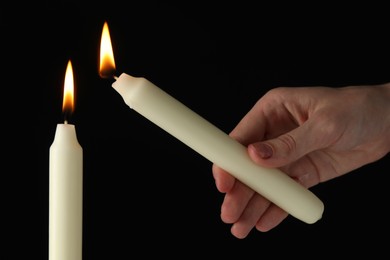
{"x": 144, "y": 191}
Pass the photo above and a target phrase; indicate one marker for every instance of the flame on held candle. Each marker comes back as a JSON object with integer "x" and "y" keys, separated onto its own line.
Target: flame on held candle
{"x": 68, "y": 100}
{"x": 107, "y": 62}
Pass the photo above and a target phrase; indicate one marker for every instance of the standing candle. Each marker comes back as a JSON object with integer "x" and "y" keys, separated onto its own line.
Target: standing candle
{"x": 65, "y": 190}
{"x": 209, "y": 141}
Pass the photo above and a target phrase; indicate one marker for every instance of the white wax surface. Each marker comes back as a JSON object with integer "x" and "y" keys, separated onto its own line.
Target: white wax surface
{"x": 218, "y": 147}
{"x": 65, "y": 195}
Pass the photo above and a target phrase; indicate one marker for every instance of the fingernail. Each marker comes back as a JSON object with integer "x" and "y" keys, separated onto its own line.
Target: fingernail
{"x": 263, "y": 150}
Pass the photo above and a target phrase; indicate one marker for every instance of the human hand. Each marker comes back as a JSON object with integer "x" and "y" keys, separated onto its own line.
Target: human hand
{"x": 313, "y": 134}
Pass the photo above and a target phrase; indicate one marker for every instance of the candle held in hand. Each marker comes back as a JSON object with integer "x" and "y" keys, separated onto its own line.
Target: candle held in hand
{"x": 65, "y": 186}
{"x": 174, "y": 117}
{"x": 218, "y": 147}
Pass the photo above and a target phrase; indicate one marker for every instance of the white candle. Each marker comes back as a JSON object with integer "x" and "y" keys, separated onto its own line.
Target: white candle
{"x": 65, "y": 190}
{"x": 218, "y": 147}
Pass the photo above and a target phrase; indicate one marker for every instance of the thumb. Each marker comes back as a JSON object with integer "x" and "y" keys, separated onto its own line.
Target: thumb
{"x": 286, "y": 148}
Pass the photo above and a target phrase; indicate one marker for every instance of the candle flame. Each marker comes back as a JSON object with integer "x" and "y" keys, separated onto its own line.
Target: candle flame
{"x": 107, "y": 62}
{"x": 68, "y": 99}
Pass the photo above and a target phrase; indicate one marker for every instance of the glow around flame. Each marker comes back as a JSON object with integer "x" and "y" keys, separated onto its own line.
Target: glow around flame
{"x": 68, "y": 100}
{"x": 107, "y": 62}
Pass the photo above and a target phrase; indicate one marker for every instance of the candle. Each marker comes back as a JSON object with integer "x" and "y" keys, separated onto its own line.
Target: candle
{"x": 65, "y": 185}
{"x": 212, "y": 143}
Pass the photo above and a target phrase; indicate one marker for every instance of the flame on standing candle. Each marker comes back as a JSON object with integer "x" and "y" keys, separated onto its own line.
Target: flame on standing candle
{"x": 107, "y": 62}
{"x": 68, "y": 100}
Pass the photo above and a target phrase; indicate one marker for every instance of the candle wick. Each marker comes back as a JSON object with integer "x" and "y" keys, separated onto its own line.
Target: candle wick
{"x": 115, "y": 77}
{"x": 65, "y": 122}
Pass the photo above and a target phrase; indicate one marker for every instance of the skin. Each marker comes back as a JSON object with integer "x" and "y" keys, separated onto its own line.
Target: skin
{"x": 313, "y": 134}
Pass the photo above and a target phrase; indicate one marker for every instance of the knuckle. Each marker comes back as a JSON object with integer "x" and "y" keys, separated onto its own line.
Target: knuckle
{"x": 288, "y": 143}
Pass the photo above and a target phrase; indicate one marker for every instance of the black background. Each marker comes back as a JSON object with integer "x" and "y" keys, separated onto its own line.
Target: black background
{"x": 146, "y": 193}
